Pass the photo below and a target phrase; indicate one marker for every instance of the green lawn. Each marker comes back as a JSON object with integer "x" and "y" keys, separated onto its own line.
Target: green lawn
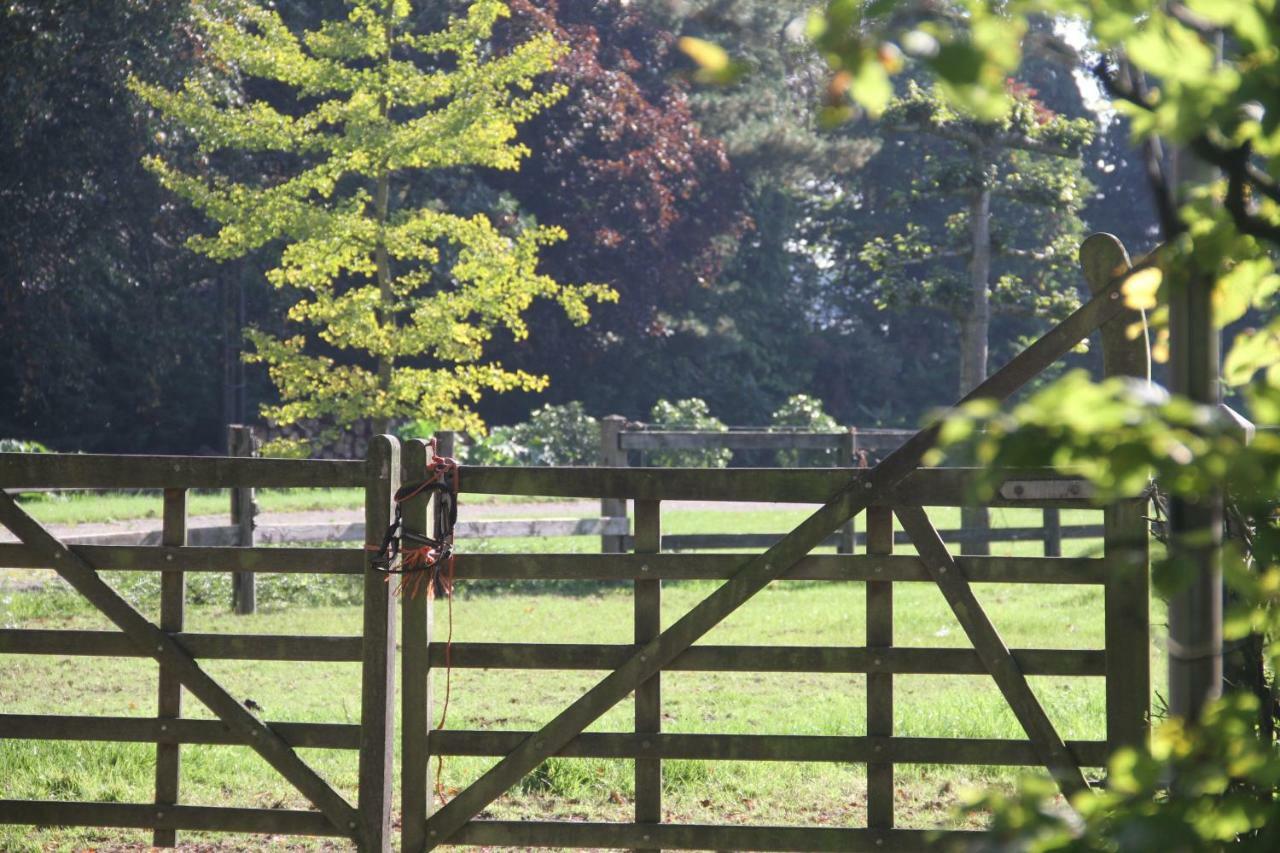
{"x": 790, "y": 613}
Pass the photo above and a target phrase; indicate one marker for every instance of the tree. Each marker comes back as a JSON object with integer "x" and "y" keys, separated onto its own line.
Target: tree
{"x": 751, "y": 339}
{"x": 621, "y": 163}
{"x": 395, "y": 303}
{"x": 1010, "y": 192}
{"x": 1199, "y": 77}
{"x": 107, "y": 328}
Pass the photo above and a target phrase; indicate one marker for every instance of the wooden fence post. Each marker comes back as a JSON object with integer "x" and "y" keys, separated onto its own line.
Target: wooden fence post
{"x": 416, "y": 703}
{"x": 1052, "y": 532}
{"x": 446, "y": 443}
{"x": 1127, "y": 627}
{"x": 845, "y": 458}
{"x": 879, "y": 684}
{"x": 244, "y": 509}
{"x": 169, "y": 701}
{"x": 612, "y": 456}
{"x": 378, "y": 674}
{"x": 648, "y": 625}
{"x": 975, "y": 519}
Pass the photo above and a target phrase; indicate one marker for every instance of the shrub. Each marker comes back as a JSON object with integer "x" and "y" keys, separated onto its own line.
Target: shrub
{"x": 691, "y": 414}
{"x": 802, "y": 413}
{"x": 499, "y": 447}
{"x": 17, "y": 445}
{"x": 558, "y": 435}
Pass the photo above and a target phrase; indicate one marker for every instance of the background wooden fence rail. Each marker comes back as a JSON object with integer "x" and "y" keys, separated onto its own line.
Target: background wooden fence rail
{"x": 625, "y": 442}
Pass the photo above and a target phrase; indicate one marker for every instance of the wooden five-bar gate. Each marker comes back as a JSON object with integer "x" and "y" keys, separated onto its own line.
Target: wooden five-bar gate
{"x": 896, "y": 487}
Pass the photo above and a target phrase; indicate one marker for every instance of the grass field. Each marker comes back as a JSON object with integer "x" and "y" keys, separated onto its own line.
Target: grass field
{"x": 791, "y": 613}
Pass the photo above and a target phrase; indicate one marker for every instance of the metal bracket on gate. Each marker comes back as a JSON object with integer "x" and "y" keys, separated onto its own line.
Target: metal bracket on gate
{"x": 1046, "y": 490}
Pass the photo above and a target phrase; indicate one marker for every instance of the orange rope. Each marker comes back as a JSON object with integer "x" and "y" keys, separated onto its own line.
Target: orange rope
{"x": 448, "y": 685}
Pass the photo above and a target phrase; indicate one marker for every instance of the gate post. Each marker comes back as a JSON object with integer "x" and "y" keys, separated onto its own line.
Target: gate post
{"x": 377, "y": 682}
{"x": 417, "y": 702}
{"x": 1128, "y": 608}
{"x": 612, "y": 456}
{"x": 244, "y": 509}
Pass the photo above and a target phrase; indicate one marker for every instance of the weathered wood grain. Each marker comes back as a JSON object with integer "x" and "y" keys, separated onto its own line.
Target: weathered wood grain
{"x": 829, "y": 659}
{"x": 156, "y": 558}
{"x": 147, "y": 815}
{"x": 378, "y": 672}
{"x": 416, "y": 701}
{"x": 800, "y": 748}
{"x": 173, "y": 590}
{"x": 879, "y": 616}
{"x": 112, "y": 471}
{"x": 65, "y": 641}
{"x": 833, "y": 567}
{"x": 697, "y": 837}
{"x": 648, "y": 697}
{"x": 169, "y": 731}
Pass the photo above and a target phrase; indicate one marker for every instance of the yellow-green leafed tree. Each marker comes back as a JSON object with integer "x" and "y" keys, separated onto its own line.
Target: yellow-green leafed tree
{"x": 394, "y": 302}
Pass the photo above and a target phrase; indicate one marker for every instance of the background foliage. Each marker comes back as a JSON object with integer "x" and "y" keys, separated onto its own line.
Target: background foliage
{"x": 729, "y": 219}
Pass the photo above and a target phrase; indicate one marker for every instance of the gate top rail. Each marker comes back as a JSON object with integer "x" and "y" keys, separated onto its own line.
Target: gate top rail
{"x": 115, "y": 471}
{"x": 1029, "y": 487}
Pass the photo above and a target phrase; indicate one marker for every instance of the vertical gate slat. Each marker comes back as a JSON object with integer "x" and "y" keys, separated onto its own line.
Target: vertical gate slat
{"x": 648, "y": 624}
{"x": 169, "y": 699}
{"x": 416, "y": 699}
{"x": 879, "y": 684}
{"x": 377, "y": 694}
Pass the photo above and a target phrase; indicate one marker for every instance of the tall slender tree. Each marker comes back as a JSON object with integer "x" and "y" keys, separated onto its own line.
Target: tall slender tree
{"x": 1009, "y": 192}
{"x": 396, "y": 302}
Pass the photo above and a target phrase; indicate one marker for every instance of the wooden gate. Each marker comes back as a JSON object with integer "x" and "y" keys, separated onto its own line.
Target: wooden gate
{"x": 178, "y": 652}
{"x": 897, "y": 486}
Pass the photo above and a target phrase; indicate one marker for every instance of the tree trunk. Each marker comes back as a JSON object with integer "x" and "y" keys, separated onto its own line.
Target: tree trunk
{"x": 382, "y": 423}
{"x": 975, "y": 322}
{"x": 974, "y": 326}
{"x": 382, "y": 204}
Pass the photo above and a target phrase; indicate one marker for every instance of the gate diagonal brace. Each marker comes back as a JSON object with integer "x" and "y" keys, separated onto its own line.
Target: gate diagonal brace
{"x": 991, "y": 649}
{"x": 76, "y": 571}
{"x": 757, "y": 573}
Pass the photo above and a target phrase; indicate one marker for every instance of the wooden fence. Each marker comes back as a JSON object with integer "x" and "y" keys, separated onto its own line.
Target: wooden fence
{"x": 1123, "y": 663}
{"x": 178, "y": 651}
{"x": 897, "y": 487}
{"x": 624, "y": 442}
